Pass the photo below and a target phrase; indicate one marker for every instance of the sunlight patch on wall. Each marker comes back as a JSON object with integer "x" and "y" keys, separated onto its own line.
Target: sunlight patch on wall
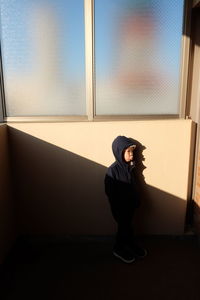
{"x": 166, "y": 143}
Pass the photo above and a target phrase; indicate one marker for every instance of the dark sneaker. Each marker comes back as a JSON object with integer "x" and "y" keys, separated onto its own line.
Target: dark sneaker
{"x": 139, "y": 251}
{"x": 124, "y": 254}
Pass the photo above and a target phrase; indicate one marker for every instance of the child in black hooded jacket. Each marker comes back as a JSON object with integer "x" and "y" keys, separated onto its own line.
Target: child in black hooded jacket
{"x": 121, "y": 189}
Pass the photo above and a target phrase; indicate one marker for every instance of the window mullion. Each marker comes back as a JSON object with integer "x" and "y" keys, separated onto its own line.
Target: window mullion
{"x": 89, "y": 58}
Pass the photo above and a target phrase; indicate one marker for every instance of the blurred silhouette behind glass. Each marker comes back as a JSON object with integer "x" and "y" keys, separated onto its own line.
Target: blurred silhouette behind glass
{"x": 137, "y": 50}
{"x": 43, "y": 57}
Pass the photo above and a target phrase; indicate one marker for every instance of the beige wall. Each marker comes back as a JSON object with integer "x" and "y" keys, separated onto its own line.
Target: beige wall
{"x": 7, "y": 230}
{"x": 195, "y": 112}
{"x": 60, "y": 167}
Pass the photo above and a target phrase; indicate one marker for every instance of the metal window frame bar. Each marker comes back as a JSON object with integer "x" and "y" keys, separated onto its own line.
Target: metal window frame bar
{"x": 185, "y": 58}
{"x": 46, "y": 119}
{"x": 89, "y": 57}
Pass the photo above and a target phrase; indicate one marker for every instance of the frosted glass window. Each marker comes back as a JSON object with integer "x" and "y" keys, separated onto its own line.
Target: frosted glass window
{"x": 43, "y": 57}
{"x": 137, "y": 52}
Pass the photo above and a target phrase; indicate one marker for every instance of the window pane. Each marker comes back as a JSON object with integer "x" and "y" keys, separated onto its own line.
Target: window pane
{"x": 137, "y": 51}
{"x": 43, "y": 57}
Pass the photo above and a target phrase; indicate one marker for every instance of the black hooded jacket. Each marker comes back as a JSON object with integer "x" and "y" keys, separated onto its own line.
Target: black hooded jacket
{"x": 120, "y": 185}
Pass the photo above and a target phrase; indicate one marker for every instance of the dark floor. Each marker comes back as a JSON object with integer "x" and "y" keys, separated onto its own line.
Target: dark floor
{"x": 86, "y": 269}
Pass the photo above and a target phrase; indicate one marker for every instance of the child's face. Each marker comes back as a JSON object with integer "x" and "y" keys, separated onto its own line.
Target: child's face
{"x": 128, "y": 154}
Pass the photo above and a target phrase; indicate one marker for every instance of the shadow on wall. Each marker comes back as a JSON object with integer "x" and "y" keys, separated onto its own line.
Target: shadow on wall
{"x": 195, "y": 20}
{"x": 192, "y": 21}
{"x": 196, "y": 217}
{"x": 60, "y": 193}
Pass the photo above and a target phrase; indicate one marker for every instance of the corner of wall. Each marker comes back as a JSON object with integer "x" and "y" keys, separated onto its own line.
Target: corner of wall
{"x": 7, "y": 219}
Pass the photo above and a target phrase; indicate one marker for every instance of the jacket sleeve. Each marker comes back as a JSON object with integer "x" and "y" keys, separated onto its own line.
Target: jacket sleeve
{"x": 111, "y": 187}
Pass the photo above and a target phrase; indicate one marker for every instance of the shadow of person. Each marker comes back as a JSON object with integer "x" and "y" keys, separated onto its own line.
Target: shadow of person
{"x": 139, "y": 166}
{"x": 141, "y": 184}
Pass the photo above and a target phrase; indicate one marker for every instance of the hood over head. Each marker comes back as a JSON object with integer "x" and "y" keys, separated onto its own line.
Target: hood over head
{"x": 119, "y": 144}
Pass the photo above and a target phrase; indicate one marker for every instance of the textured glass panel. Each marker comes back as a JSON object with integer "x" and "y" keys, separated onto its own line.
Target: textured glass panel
{"x": 137, "y": 50}
{"x": 43, "y": 57}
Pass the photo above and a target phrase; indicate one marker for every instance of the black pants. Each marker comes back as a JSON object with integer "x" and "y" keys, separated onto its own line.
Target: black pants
{"x": 123, "y": 212}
